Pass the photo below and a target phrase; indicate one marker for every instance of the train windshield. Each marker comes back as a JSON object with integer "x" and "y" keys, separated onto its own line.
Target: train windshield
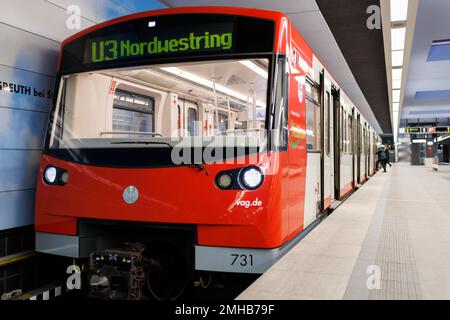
{"x": 222, "y": 102}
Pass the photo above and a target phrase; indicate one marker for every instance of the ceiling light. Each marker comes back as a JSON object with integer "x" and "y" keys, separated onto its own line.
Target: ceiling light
{"x": 255, "y": 68}
{"x": 396, "y": 84}
{"x": 395, "y": 96}
{"x": 208, "y": 83}
{"x": 397, "y": 58}
{"x": 397, "y": 74}
{"x": 439, "y": 51}
{"x": 399, "y": 10}
{"x": 398, "y": 38}
{"x": 396, "y": 106}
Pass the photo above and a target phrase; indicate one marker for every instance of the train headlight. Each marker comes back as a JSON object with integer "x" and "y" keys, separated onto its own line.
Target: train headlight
{"x": 55, "y": 176}
{"x": 50, "y": 175}
{"x": 251, "y": 178}
{"x": 224, "y": 180}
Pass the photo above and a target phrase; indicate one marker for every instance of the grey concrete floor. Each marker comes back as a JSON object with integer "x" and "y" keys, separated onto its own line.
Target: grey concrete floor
{"x": 389, "y": 240}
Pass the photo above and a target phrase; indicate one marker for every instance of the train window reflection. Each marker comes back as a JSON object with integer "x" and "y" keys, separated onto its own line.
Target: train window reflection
{"x": 169, "y": 102}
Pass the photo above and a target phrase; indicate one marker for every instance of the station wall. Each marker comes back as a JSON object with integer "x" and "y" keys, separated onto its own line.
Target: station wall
{"x": 30, "y": 35}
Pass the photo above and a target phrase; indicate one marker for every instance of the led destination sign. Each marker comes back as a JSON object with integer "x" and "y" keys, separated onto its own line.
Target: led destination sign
{"x": 116, "y": 49}
{"x": 173, "y": 37}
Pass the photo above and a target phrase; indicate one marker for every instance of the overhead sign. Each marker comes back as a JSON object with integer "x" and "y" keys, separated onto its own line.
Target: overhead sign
{"x": 424, "y": 130}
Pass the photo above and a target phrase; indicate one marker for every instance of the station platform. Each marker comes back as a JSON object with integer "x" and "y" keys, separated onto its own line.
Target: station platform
{"x": 389, "y": 240}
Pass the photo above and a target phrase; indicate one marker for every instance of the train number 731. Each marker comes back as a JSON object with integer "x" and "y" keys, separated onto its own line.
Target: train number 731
{"x": 243, "y": 260}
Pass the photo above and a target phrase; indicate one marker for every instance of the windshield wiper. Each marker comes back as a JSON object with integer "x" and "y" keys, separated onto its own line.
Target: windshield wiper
{"x": 143, "y": 142}
{"x": 140, "y": 133}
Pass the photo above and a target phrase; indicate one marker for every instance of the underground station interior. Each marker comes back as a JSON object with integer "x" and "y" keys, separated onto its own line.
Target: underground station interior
{"x": 202, "y": 151}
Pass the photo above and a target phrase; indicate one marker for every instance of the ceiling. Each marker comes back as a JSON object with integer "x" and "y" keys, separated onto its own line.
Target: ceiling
{"x": 363, "y": 50}
{"x": 432, "y": 23}
{"x": 309, "y": 21}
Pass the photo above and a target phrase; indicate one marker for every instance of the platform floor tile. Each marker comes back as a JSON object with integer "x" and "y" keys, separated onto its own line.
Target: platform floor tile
{"x": 389, "y": 240}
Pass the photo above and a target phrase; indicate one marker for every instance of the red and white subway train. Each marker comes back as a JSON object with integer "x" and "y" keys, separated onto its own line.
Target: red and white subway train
{"x": 214, "y": 136}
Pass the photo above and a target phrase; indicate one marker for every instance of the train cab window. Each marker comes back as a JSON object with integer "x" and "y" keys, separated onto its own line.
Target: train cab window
{"x": 192, "y": 122}
{"x": 313, "y": 122}
{"x": 132, "y": 112}
{"x": 139, "y": 110}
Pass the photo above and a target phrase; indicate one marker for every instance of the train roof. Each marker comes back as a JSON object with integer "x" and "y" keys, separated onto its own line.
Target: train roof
{"x": 258, "y": 13}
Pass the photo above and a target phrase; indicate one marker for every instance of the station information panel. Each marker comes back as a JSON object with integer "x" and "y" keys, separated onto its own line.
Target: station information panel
{"x": 424, "y": 130}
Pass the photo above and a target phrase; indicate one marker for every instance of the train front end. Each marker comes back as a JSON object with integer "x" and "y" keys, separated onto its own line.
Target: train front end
{"x": 166, "y": 134}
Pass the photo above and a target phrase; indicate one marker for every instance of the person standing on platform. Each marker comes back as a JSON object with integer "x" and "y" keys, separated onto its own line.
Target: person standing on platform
{"x": 381, "y": 153}
{"x": 386, "y": 150}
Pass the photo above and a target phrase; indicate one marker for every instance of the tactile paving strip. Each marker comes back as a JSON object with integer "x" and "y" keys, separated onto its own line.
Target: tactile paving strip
{"x": 395, "y": 257}
{"x": 387, "y": 249}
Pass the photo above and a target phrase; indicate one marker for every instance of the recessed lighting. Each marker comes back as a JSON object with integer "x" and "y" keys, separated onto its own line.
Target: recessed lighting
{"x": 152, "y": 24}
{"x": 433, "y": 94}
{"x": 395, "y": 95}
{"x": 255, "y": 68}
{"x": 398, "y": 38}
{"x": 399, "y": 10}
{"x": 439, "y": 51}
{"x": 208, "y": 83}
{"x": 397, "y": 58}
{"x": 396, "y": 84}
{"x": 397, "y": 74}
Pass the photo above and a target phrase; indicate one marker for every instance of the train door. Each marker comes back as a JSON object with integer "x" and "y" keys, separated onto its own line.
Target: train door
{"x": 364, "y": 150}
{"x": 368, "y": 152}
{"x": 336, "y": 141}
{"x": 189, "y": 117}
{"x": 352, "y": 146}
{"x": 322, "y": 140}
{"x": 313, "y": 200}
{"x": 358, "y": 149}
{"x": 369, "y": 169}
{"x": 328, "y": 175}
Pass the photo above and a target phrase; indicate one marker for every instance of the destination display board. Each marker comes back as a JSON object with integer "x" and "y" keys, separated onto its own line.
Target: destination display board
{"x": 169, "y": 37}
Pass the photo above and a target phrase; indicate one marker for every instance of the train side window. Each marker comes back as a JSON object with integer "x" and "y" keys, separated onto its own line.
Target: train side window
{"x": 280, "y": 140}
{"x": 313, "y": 122}
{"x": 133, "y": 112}
{"x": 312, "y": 126}
{"x": 350, "y": 134}
{"x": 192, "y": 122}
{"x": 327, "y": 123}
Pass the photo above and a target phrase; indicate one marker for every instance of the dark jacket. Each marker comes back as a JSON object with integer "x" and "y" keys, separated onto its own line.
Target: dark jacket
{"x": 381, "y": 154}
